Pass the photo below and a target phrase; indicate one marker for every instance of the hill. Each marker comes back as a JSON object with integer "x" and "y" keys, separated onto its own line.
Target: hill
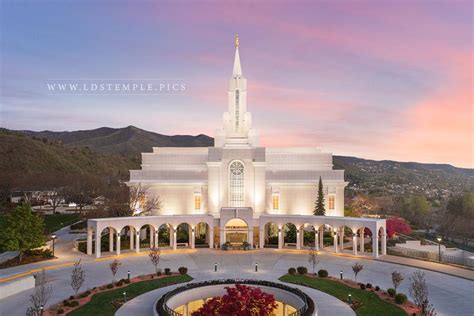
{"x": 112, "y": 150}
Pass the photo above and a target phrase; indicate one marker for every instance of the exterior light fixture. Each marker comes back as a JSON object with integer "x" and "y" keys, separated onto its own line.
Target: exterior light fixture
{"x": 349, "y": 299}
{"x": 256, "y": 267}
{"x": 128, "y": 274}
{"x": 53, "y": 236}
{"x": 124, "y": 297}
{"x": 439, "y": 247}
{"x": 215, "y": 267}
{"x": 341, "y": 273}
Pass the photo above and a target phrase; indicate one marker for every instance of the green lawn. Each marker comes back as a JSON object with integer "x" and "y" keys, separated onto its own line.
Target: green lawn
{"x": 371, "y": 304}
{"x": 101, "y": 303}
{"x": 55, "y": 222}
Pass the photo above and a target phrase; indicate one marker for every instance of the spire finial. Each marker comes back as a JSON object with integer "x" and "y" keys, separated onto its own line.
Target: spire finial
{"x": 237, "y": 40}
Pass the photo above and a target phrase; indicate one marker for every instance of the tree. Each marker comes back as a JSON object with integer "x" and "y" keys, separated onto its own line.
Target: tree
{"x": 239, "y": 300}
{"x": 396, "y": 279}
{"x": 142, "y": 202}
{"x": 22, "y": 230}
{"x": 154, "y": 256}
{"x": 419, "y": 293}
{"x": 319, "y": 206}
{"x": 357, "y": 268}
{"x": 114, "y": 266}
{"x": 41, "y": 295}
{"x": 313, "y": 257}
{"x": 397, "y": 225}
{"x": 78, "y": 276}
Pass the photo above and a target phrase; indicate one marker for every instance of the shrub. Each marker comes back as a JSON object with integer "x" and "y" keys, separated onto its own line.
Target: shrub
{"x": 368, "y": 285}
{"x": 183, "y": 270}
{"x": 119, "y": 283}
{"x": 66, "y": 303}
{"x": 60, "y": 311}
{"x": 71, "y": 297}
{"x": 302, "y": 270}
{"x": 74, "y": 304}
{"x": 401, "y": 298}
{"x": 377, "y": 288}
{"x": 85, "y": 294}
{"x": 167, "y": 271}
{"x": 323, "y": 273}
{"x": 127, "y": 281}
{"x": 362, "y": 286}
{"x": 292, "y": 271}
{"x": 158, "y": 273}
{"x": 391, "y": 292}
{"x": 109, "y": 286}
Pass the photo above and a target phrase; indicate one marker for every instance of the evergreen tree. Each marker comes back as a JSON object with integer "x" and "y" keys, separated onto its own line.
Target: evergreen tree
{"x": 22, "y": 230}
{"x": 319, "y": 206}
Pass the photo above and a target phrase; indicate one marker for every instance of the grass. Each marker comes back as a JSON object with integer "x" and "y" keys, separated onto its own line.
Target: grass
{"x": 55, "y": 222}
{"x": 371, "y": 304}
{"x": 101, "y": 303}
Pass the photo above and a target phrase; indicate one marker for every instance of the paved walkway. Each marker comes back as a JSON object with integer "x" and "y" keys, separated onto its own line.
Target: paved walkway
{"x": 450, "y": 295}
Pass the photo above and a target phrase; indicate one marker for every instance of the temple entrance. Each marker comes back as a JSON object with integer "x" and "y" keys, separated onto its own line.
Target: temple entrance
{"x": 236, "y": 231}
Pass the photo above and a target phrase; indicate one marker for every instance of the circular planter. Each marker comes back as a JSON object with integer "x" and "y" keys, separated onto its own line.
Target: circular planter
{"x": 294, "y": 297}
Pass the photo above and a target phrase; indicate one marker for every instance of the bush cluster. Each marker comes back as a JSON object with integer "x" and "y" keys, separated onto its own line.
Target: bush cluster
{"x": 401, "y": 298}
{"x": 183, "y": 270}
{"x": 302, "y": 270}
{"x": 391, "y": 292}
{"x": 109, "y": 286}
{"x": 292, "y": 271}
{"x": 377, "y": 288}
{"x": 167, "y": 271}
{"x": 368, "y": 285}
{"x": 362, "y": 286}
{"x": 74, "y": 303}
{"x": 323, "y": 273}
{"x": 60, "y": 311}
{"x": 158, "y": 273}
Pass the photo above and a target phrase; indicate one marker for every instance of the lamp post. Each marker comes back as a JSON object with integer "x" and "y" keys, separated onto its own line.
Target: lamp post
{"x": 439, "y": 247}
{"x": 53, "y": 236}
{"x": 41, "y": 310}
{"x": 256, "y": 267}
{"x": 215, "y": 267}
{"x": 124, "y": 297}
{"x": 341, "y": 274}
{"x": 128, "y": 274}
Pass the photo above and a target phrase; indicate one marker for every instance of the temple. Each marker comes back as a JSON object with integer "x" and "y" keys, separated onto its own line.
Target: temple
{"x": 238, "y": 192}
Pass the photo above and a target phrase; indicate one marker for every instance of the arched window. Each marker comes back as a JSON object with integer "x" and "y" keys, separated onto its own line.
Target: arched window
{"x": 236, "y": 184}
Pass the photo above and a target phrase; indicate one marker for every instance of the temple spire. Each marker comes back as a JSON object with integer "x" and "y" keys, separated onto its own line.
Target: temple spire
{"x": 237, "y": 72}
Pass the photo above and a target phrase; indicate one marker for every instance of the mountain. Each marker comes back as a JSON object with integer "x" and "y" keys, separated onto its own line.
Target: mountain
{"x": 129, "y": 141}
{"x": 108, "y": 150}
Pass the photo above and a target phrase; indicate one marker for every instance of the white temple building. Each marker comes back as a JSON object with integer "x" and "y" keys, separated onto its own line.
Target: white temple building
{"x": 239, "y": 191}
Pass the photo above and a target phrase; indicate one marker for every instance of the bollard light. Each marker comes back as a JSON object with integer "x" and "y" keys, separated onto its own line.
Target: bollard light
{"x": 53, "y": 236}
{"x": 215, "y": 267}
{"x": 439, "y": 247}
{"x": 41, "y": 310}
{"x": 124, "y": 297}
{"x": 256, "y": 267}
{"x": 341, "y": 274}
{"x": 349, "y": 299}
{"x": 128, "y": 273}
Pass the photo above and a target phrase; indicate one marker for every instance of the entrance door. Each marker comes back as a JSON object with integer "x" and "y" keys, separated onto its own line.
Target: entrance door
{"x": 236, "y": 231}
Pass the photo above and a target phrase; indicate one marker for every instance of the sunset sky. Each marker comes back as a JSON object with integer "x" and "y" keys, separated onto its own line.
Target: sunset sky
{"x": 372, "y": 79}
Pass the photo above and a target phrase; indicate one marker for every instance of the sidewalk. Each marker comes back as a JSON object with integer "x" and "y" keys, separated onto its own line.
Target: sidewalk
{"x": 428, "y": 265}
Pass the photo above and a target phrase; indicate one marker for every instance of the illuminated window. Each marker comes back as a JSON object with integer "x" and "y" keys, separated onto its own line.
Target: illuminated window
{"x": 236, "y": 184}
{"x": 276, "y": 202}
{"x": 197, "y": 202}
{"x": 331, "y": 202}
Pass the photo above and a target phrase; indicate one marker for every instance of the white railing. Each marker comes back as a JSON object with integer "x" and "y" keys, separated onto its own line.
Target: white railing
{"x": 432, "y": 256}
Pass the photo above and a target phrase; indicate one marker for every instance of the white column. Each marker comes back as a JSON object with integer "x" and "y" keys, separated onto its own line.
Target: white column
{"x": 193, "y": 234}
{"x": 298, "y": 238}
{"x": 354, "y": 244}
{"x": 341, "y": 239}
{"x": 156, "y": 239}
{"x": 316, "y": 240}
{"x": 152, "y": 237}
{"x": 261, "y": 238}
{"x": 362, "y": 240}
{"x": 321, "y": 238}
{"x": 118, "y": 244}
{"x": 375, "y": 246}
{"x": 384, "y": 244}
{"x": 250, "y": 236}
{"x": 97, "y": 245}
{"x": 280, "y": 238}
{"x": 222, "y": 237}
{"x": 137, "y": 242}
{"x": 132, "y": 235}
{"x": 111, "y": 240}
{"x": 211, "y": 237}
{"x": 174, "y": 242}
{"x": 89, "y": 241}
{"x": 336, "y": 250}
